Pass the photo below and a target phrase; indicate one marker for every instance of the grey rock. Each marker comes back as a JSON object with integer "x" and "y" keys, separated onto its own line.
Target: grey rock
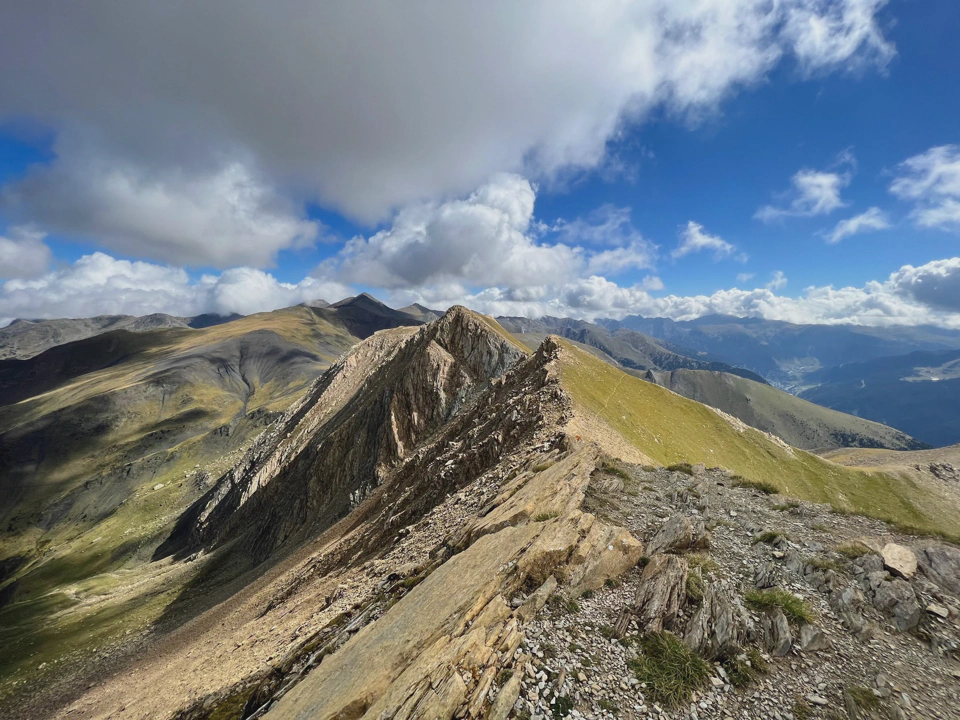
{"x": 848, "y": 604}
{"x": 680, "y": 533}
{"x": 870, "y": 563}
{"x": 897, "y": 599}
{"x": 721, "y": 624}
{"x": 813, "y": 639}
{"x": 941, "y": 564}
{"x": 660, "y": 596}
{"x": 766, "y": 575}
{"x": 776, "y": 632}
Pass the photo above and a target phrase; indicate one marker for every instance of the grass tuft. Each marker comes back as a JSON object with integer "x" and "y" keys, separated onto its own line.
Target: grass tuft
{"x": 770, "y": 537}
{"x": 610, "y": 469}
{"x": 787, "y": 506}
{"x": 683, "y": 467}
{"x": 703, "y": 561}
{"x": 796, "y": 610}
{"x": 853, "y": 550}
{"x": 543, "y": 517}
{"x": 695, "y": 588}
{"x": 764, "y": 487}
{"x": 743, "y": 668}
{"x": 671, "y": 671}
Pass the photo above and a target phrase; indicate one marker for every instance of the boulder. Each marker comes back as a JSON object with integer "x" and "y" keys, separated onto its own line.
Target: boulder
{"x": 661, "y": 594}
{"x": 766, "y": 575}
{"x": 721, "y": 625}
{"x": 680, "y": 533}
{"x": 848, "y": 604}
{"x": 776, "y": 632}
{"x": 895, "y": 598}
{"x": 899, "y": 560}
{"x": 941, "y": 563}
{"x": 812, "y": 639}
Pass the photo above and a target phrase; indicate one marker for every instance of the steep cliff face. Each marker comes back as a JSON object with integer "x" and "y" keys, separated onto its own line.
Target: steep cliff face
{"x": 363, "y": 418}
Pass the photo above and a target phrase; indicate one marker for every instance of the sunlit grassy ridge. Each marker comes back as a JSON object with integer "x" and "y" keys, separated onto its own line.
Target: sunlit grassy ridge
{"x": 670, "y": 429}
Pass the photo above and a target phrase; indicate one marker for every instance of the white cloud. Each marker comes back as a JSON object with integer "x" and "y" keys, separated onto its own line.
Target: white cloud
{"x": 486, "y": 239}
{"x": 932, "y": 181}
{"x": 872, "y": 219}
{"x": 365, "y": 106}
{"x": 814, "y": 193}
{"x": 98, "y": 284}
{"x": 693, "y": 239}
{"x": 23, "y": 254}
{"x": 936, "y": 284}
{"x": 778, "y": 281}
{"x": 744, "y": 277}
{"x": 826, "y": 33}
{"x": 222, "y": 217}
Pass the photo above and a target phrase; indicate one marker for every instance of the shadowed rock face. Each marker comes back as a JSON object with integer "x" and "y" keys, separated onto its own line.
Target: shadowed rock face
{"x": 364, "y": 418}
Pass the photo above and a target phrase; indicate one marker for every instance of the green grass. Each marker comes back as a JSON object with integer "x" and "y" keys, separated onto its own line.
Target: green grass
{"x": 671, "y": 671}
{"x": 786, "y": 506}
{"x": 695, "y": 588}
{"x": 853, "y": 550}
{"x": 796, "y": 610}
{"x": 759, "y": 485}
{"x": 561, "y": 603}
{"x": 543, "y": 517}
{"x": 615, "y": 470}
{"x": 863, "y": 697}
{"x": 743, "y": 668}
{"x": 703, "y": 561}
{"x": 683, "y": 467}
{"x": 671, "y": 430}
{"x": 770, "y": 537}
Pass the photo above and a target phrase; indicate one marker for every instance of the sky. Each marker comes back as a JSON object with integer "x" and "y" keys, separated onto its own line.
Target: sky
{"x": 795, "y": 160}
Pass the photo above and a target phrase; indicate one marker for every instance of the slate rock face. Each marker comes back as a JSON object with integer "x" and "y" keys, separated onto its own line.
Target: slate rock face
{"x": 776, "y": 632}
{"x": 721, "y": 624}
{"x": 941, "y": 563}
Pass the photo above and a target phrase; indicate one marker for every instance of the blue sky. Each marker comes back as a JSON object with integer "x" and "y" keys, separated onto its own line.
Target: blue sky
{"x": 513, "y": 161}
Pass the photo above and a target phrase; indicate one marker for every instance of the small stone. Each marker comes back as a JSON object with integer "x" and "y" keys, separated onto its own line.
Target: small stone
{"x": 939, "y": 610}
{"x": 817, "y": 700}
{"x": 158, "y": 486}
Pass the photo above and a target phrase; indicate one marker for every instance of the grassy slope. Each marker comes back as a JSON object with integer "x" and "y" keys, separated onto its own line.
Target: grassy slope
{"x": 800, "y": 422}
{"x": 85, "y": 583}
{"x": 671, "y": 429}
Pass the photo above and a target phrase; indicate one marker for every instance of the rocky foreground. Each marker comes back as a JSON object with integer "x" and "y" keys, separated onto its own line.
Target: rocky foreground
{"x": 499, "y": 561}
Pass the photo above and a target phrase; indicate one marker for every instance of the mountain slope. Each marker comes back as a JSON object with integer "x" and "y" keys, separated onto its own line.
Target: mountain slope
{"x": 655, "y": 425}
{"x": 105, "y": 441}
{"x": 798, "y": 422}
{"x": 630, "y": 349}
{"x": 490, "y": 559}
{"x": 901, "y": 391}
{"x": 23, "y": 339}
{"x": 785, "y": 353}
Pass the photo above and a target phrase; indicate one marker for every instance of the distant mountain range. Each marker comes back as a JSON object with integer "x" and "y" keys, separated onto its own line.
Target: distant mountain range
{"x": 785, "y": 354}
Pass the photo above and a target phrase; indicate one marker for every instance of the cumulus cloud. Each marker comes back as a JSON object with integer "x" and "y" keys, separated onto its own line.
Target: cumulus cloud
{"x": 936, "y": 284}
{"x": 368, "y": 106}
{"x": 872, "y": 219}
{"x": 23, "y": 254}
{"x": 486, "y": 239}
{"x": 98, "y": 284}
{"x": 932, "y": 181}
{"x": 224, "y": 216}
{"x": 814, "y": 192}
{"x": 693, "y": 239}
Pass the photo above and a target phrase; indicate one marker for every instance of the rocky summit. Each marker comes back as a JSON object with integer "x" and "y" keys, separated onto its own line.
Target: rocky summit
{"x": 447, "y": 524}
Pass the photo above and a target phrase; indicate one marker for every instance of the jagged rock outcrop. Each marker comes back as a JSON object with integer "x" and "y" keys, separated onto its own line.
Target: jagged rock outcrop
{"x": 660, "y": 596}
{"x": 363, "y": 420}
{"x": 721, "y": 625}
{"x": 680, "y": 533}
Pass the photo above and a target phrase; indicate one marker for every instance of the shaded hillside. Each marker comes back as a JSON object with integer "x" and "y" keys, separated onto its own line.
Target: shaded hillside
{"x": 630, "y": 349}
{"x": 105, "y": 441}
{"x": 798, "y": 422}
{"x": 785, "y": 353}
{"x": 23, "y": 339}
{"x": 918, "y": 393}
